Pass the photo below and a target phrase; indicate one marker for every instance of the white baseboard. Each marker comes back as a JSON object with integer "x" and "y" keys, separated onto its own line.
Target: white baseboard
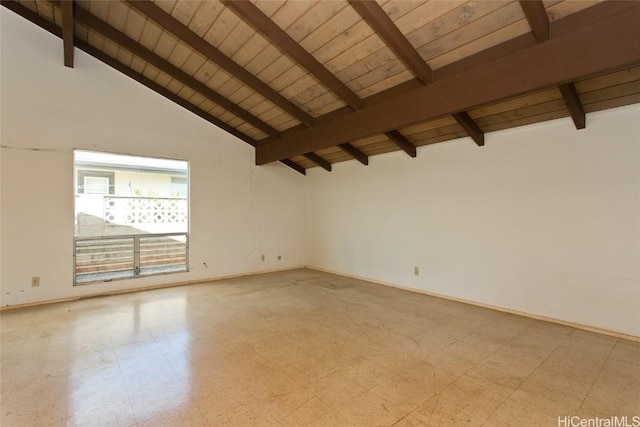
{"x": 489, "y": 306}
{"x": 365, "y": 279}
{"x": 146, "y": 288}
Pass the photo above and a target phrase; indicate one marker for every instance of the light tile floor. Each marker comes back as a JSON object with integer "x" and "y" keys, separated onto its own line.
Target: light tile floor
{"x": 303, "y": 348}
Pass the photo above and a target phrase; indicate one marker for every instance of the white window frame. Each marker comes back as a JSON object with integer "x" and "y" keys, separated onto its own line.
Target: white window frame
{"x": 88, "y": 187}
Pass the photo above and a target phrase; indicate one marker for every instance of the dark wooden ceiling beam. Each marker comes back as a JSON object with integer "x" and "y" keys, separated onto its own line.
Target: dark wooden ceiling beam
{"x": 506, "y": 48}
{"x": 541, "y": 27}
{"x": 509, "y": 47}
{"x": 101, "y": 56}
{"x": 380, "y": 22}
{"x": 165, "y": 66}
{"x": 598, "y": 12}
{"x": 537, "y": 17}
{"x": 401, "y": 141}
{"x": 262, "y": 23}
{"x": 318, "y": 161}
{"x": 66, "y": 7}
{"x": 601, "y": 46}
{"x": 111, "y": 62}
{"x": 572, "y": 100}
{"x": 384, "y": 27}
{"x": 469, "y": 125}
{"x": 190, "y": 38}
{"x": 355, "y": 153}
{"x": 293, "y": 165}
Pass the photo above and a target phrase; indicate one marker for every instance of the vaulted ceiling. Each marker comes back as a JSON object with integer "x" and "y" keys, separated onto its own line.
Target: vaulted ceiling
{"x": 311, "y": 83}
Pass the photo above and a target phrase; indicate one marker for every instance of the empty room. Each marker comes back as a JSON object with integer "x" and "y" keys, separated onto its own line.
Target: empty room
{"x": 320, "y": 213}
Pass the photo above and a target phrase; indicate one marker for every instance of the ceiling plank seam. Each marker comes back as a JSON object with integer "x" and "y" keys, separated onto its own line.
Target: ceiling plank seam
{"x": 382, "y": 24}
{"x": 585, "y": 49}
{"x": 182, "y": 32}
{"x": 263, "y": 24}
{"x": 597, "y": 91}
{"x": 165, "y": 66}
{"x": 106, "y": 59}
{"x": 101, "y": 56}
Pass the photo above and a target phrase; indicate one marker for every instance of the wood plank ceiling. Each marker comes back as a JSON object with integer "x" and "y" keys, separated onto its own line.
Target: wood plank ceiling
{"x": 312, "y": 83}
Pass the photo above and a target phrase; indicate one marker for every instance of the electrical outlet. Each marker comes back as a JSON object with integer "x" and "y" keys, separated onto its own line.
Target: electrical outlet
{"x": 416, "y": 271}
{"x": 262, "y": 258}
{"x": 35, "y": 281}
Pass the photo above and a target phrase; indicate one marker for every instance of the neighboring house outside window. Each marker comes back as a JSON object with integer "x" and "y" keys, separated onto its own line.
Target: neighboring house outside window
{"x": 97, "y": 180}
{"x": 178, "y": 187}
{"x": 131, "y": 216}
{"x": 96, "y": 185}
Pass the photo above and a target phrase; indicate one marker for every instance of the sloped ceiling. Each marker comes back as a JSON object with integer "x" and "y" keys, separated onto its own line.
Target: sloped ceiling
{"x": 312, "y": 83}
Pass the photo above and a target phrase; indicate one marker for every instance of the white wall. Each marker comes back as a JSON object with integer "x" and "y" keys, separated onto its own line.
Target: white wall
{"x": 544, "y": 219}
{"x": 238, "y": 211}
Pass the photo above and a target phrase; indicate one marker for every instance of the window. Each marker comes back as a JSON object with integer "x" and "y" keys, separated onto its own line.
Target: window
{"x": 179, "y": 187}
{"x": 131, "y": 216}
{"x": 96, "y": 185}
{"x": 82, "y": 174}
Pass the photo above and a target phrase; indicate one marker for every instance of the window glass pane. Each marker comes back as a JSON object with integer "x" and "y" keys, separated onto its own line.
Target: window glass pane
{"x": 179, "y": 187}
{"x": 96, "y": 185}
{"x": 142, "y": 200}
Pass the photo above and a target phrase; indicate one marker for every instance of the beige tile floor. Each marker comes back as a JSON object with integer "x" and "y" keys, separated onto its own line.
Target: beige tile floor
{"x": 303, "y": 348}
